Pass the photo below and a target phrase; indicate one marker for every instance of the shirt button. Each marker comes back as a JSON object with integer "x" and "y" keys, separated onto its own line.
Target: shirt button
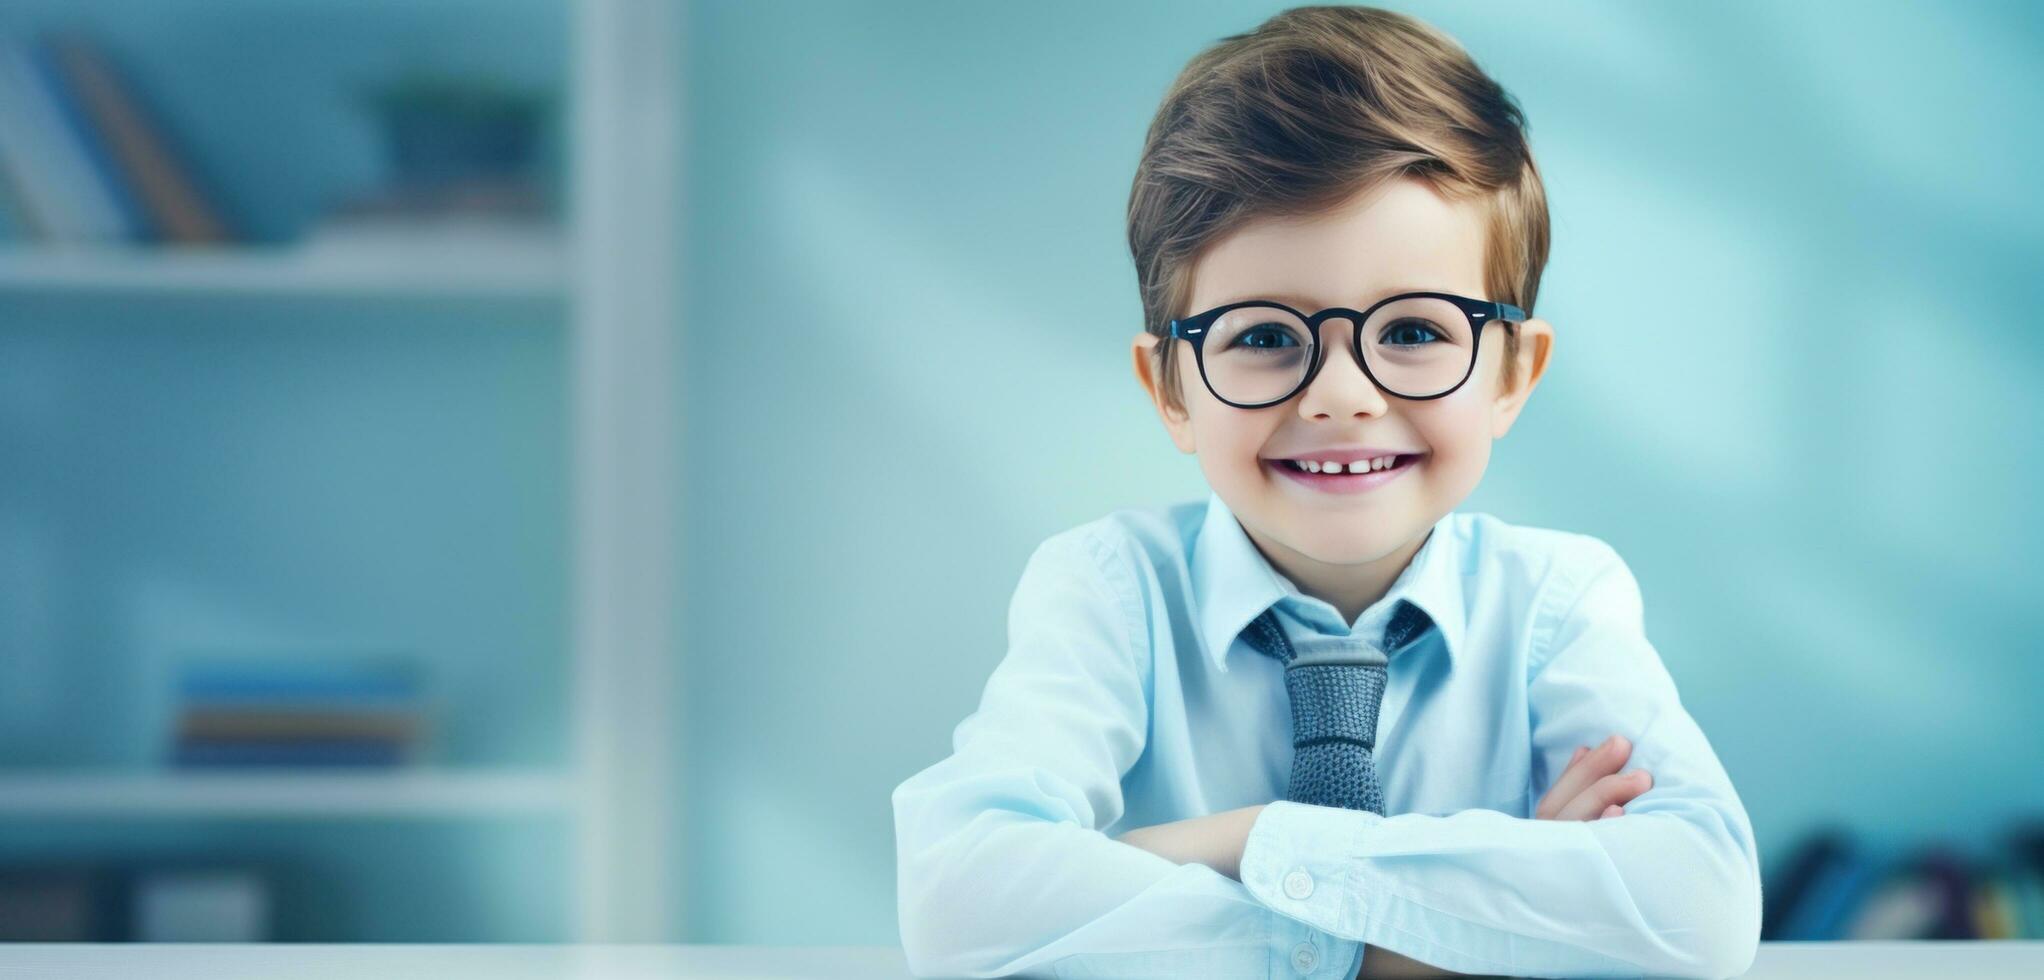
{"x": 1305, "y": 958}
{"x": 1298, "y": 884}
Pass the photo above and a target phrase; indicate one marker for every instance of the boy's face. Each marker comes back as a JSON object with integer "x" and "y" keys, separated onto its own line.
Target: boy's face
{"x": 1401, "y": 237}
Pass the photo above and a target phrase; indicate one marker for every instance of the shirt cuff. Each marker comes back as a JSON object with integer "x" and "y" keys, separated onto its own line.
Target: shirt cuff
{"x": 1299, "y": 950}
{"x": 1298, "y": 859}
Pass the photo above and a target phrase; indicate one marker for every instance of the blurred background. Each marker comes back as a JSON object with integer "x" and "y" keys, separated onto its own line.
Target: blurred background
{"x": 533, "y": 470}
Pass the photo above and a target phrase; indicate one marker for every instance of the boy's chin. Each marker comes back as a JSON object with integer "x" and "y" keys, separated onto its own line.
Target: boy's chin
{"x": 1356, "y": 547}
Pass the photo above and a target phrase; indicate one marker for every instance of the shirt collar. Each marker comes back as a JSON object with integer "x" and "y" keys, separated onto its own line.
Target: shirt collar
{"x": 1233, "y": 583}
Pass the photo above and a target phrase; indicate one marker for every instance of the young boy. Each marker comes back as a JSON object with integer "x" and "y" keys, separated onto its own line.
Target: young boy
{"x": 1298, "y": 729}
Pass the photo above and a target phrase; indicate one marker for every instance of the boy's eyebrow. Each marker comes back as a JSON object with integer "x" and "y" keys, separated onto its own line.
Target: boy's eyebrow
{"x": 1309, "y": 305}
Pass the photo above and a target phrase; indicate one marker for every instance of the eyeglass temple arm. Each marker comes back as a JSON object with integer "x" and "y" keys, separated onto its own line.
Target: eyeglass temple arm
{"x": 1502, "y": 311}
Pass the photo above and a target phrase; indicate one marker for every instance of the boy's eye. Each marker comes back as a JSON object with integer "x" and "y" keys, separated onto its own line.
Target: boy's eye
{"x": 1409, "y": 333}
{"x": 1269, "y": 336}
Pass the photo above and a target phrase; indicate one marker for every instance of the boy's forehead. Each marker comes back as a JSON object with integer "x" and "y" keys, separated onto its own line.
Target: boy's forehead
{"x": 1402, "y": 236}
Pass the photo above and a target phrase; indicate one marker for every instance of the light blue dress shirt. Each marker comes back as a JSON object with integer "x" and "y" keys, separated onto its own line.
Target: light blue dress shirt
{"x": 1127, "y": 699}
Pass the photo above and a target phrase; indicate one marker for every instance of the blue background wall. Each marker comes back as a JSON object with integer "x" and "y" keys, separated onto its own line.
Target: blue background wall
{"x": 1795, "y": 248}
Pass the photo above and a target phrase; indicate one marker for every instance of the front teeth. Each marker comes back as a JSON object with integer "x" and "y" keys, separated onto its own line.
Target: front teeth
{"x": 1359, "y": 466}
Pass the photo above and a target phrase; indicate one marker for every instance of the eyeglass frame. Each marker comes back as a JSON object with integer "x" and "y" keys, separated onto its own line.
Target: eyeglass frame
{"x": 1481, "y": 313}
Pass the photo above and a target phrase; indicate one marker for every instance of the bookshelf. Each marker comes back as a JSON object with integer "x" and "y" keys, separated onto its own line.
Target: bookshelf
{"x": 499, "y": 270}
{"x": 604, "y": 280}
{"x": 306, "y": 793}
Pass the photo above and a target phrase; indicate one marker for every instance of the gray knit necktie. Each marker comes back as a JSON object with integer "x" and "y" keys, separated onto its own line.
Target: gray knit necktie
{"x": 1336, "y": 684}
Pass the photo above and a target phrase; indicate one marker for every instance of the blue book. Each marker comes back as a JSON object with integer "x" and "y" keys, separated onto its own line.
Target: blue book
{"x": 1841, "y": 875}
{"x": 1950, "y": 874}
{"x": 112, "y": 183}
{"x": 2029, "y": 889}
{"x": 13, "y": 226}
{"x": 359, "y": 682}
{"x": 25, "y": 168}
{"x": 1843, "y": 893}
{"x": 61, "y": 169}
{"x": 1791, "y": 879}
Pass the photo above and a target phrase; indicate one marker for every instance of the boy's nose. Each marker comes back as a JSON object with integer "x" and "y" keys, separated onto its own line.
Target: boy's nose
{"x": 1342, "y": 388}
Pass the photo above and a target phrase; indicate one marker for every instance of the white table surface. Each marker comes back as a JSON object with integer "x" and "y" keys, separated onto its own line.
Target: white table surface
{"x": 1952, "y": 959}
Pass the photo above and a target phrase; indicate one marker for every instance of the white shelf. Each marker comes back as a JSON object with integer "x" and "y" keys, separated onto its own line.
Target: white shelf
{"x": 286, "y": 793}
{"x": 523, "y": 268}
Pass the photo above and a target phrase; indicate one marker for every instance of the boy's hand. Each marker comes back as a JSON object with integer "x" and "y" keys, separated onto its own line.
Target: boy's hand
{"x": 1589, "y": 789}
{"x": 1592, "y": 787}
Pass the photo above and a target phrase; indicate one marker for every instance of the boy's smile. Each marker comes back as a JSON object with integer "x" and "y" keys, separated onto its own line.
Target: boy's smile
{"x": 1345, "y": 471}
{"x": 1345, "y": 538}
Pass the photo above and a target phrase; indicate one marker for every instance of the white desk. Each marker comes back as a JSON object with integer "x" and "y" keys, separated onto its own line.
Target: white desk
{"x": 1875, "y": 961}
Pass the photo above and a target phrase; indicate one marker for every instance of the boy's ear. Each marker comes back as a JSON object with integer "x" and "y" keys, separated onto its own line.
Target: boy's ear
{"x": 1536, "y": 343}
{"x": 1178, "y": 423}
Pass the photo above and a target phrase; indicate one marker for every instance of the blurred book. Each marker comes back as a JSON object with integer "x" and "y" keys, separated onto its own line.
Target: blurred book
{"x": 1904, "y": 906}
{"x": 1840, "y": 876}
{"x": 461, "y": 174}
{"x": 2028, "y": 887}
{"x": 58, "y": 905}
{"x": 1830, "y": 887}
{"x": 333, "y": 711}
{"x": 514, "y": 199}
{"x": 485, "y": 227}
{"x": 1934, "y": 894}
{"x": 116, "y": 902}
{"x": 16, "y": 222}
{"x": 1995, "y": 915}
{"x": 46, "y": 155}
{"x": 448, "y": 236}
{"x": 1788, "y": 887}
{"x": 2026, "y": 844}
{"x": 199, "y": 905}
{"x": 82, "y": 157}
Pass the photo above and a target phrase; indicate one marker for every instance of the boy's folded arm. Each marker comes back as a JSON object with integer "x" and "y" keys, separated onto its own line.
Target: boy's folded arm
{"x": 1670, "y": 888}
{"x": 1003, "y": 868}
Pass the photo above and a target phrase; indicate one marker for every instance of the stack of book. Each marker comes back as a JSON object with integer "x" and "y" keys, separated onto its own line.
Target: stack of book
{"x": 148, "y": 902}
{"x": 1831, "y": 886}
{"x": 462, "y": 169}
{"x": 83, "y": 159}
{"x": 300, "y": 712}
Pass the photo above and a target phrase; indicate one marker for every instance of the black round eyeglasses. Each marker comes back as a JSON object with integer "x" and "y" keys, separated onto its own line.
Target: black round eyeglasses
{"x": 1418, "y": 346}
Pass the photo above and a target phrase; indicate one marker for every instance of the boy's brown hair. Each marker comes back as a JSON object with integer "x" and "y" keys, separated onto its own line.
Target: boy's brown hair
{"x": 1315, "y": 106}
